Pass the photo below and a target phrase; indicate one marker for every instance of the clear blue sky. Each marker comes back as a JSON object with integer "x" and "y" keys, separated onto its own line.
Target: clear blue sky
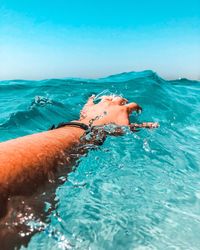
{"x": 93, "y": 38}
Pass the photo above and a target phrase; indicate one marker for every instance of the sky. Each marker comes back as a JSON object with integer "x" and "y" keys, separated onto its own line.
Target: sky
{"x": 42, "y": 39}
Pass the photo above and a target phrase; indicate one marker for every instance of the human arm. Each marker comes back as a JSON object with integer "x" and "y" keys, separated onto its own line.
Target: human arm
{"x": 28, "y": 161}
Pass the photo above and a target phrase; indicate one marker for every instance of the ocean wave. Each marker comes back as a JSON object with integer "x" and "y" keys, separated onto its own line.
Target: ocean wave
{"x": 136, "y": 188}
{"x": 53, "y": 100}
{"x": 37, "y": 117}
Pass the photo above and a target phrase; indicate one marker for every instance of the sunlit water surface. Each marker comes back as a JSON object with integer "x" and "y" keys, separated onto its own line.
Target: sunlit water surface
{"x": 139, "y": 191}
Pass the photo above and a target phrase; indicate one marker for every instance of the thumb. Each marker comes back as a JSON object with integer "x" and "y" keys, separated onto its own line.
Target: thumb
{"x": 90, "y": 101}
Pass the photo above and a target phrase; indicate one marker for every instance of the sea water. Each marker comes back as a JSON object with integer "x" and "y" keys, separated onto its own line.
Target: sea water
{"x": 138, "y": 191}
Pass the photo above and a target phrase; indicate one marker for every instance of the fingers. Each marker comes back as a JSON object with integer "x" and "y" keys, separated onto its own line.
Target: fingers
{"x": 133, "y": 107}
{"x": 90, "y": 101}
{"x": 106, "y": 98}
{"x": 149, "y": 125}
{"x": 119, "y": 100}
{"x": 114, "y": 100}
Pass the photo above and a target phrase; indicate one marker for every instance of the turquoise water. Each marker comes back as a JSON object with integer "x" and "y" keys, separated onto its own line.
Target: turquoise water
{"x": 139, "y": 191}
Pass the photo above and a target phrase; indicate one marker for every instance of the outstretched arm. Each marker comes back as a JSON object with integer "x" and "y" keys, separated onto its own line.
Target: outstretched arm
{"x": 28, "y": 161}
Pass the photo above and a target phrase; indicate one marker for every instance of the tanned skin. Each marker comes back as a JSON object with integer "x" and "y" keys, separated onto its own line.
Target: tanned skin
{"x": 26, "y": 163}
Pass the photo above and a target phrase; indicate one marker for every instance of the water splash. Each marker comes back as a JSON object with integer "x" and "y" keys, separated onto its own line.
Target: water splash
{"x": 41, "y": 101}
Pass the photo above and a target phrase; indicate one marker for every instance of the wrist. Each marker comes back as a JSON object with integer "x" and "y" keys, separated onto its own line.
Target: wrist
{"x": 84, "y": 121}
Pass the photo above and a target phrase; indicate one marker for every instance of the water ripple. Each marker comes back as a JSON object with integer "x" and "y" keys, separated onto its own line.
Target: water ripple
{"x": 139, "y": 191}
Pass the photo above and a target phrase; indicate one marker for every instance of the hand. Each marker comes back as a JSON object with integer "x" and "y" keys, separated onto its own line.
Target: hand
{"x": 109, "y": 110}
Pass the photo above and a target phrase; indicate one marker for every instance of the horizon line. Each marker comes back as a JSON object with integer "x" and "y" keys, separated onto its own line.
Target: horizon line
{"x": 101, "y": 77}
